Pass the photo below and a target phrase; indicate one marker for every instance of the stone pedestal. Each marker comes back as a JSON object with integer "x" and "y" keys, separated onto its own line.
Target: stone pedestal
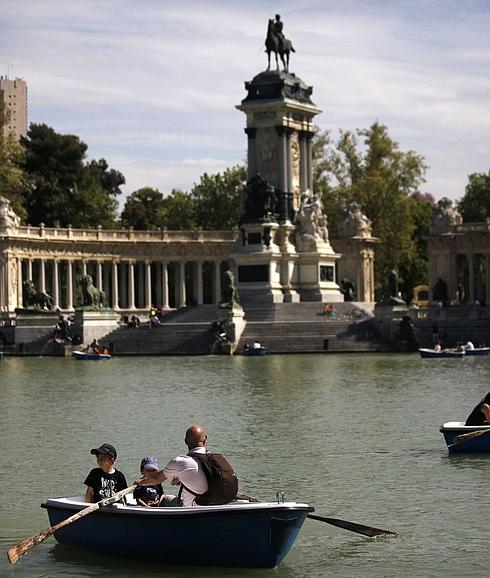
{"x": 31, "y": 325}
{"x": 96, "y": 324}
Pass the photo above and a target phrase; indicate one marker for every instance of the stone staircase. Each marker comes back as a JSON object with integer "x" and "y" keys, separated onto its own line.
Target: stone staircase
{"x": 186, "y": 331}
{"x": 302, "y": 328}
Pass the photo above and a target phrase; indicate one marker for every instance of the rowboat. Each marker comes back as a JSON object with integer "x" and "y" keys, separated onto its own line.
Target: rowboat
{"x": 254, "y": 351}
{"x": 244, "y": 534}
{"x": 471, "y": 439}
{"x": 84, "y": 356}
{"x": 478, "y": 351}
{"x": 443, "y": 354}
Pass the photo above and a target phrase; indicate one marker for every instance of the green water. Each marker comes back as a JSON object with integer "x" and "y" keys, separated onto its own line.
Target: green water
{"x": 356, "y": 436}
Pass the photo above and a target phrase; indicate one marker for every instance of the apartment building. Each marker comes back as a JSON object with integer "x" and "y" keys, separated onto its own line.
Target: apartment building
{"x": 14, "y": 94}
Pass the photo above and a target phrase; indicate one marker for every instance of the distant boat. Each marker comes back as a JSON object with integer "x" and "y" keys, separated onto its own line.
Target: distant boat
{"x": 85, "y": 356}
{"x": 253, "y": 351}
{"x": 478, "y": 351}
{"x": 443, "y": 354}
{"x": 256, "y": 535}
{"x": 471, "y": 439}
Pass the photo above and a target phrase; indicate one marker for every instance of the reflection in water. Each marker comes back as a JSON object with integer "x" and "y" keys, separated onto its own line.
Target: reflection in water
{"x": 354, "y": 435}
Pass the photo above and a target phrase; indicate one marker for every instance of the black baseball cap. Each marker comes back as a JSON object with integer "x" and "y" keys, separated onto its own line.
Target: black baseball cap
{"x": 105, "y": 449}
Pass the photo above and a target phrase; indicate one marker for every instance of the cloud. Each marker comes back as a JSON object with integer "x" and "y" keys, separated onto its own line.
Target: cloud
{"x": 150, "y": 85}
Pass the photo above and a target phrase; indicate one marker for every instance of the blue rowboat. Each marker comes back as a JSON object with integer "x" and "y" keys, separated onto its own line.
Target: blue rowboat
{"x": 443, "y": 354}
{"x": 478, "y": 351}
{"x": 466, "y": 439}
{"x": 257, "y": 535}
{"x": 84, "y": 356}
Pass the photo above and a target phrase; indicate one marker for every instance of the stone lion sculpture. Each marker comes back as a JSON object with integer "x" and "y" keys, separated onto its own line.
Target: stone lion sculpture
{"x": 35, "y": 299}
{"x": 92, "y": 296}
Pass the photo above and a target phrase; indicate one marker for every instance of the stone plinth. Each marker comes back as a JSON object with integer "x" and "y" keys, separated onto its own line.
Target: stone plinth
{"x": 96, "y": 324}
{"x": 31, "y": 325}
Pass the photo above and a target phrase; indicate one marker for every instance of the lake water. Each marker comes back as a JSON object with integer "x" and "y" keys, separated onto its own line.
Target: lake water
{"x": 356, "y": 436}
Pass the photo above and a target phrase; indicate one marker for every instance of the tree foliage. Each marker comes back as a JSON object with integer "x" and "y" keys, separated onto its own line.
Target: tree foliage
{"x": 180, "y": 212}
{"x": 367, "y": 167}
{"x": 64, "y": 189}
{"x": 217, "y": 198}
{"x": 144, "y": 209}
{"x": 475, "y": 204}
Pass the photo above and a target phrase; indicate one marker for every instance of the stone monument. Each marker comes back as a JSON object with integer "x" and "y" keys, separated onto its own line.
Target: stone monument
{"x": 283, "y": 253}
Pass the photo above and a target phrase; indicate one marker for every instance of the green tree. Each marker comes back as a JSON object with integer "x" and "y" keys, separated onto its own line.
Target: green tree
{"x": 144, "y": 209}
{"x": 367, "y": 167}
{"x": 63, "y": 189}
{"x": 179, "y": 211}
{"x": 474, "y": 206}
{"x": 217, "y": 198}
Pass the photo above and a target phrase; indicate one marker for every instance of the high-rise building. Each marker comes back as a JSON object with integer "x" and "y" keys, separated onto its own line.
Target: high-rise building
{"x": 14, "y": 94}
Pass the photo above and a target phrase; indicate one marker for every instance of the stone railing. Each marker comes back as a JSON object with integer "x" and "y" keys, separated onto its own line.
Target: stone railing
{"x": 121, "y": 235}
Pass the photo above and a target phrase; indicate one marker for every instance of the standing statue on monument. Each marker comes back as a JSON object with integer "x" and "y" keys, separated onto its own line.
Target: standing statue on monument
{"x": 276, "y": 42}
{"x": 310, "y": 218}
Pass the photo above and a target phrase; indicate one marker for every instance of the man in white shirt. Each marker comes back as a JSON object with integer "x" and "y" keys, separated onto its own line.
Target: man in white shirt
{"x": 184, "y": 470}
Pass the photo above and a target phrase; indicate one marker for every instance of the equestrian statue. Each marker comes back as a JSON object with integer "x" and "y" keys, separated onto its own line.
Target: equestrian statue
{"x": 277, "y": 43}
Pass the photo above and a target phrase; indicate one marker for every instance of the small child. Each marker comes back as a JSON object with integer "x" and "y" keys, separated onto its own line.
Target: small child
{"x": 148, "y": 496}
{"x": 104, "y": 481}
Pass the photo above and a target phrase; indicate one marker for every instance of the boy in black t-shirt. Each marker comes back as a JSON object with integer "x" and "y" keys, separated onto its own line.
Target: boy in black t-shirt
{"x": 104, "y": 481}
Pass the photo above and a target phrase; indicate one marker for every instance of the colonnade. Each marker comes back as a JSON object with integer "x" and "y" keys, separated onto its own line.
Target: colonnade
{"x": 129, "y": 284}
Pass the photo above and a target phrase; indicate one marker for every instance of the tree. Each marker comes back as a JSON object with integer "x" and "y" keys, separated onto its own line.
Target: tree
{"x": 475, "y": 204}
{"x": 145, "y": 210}
{"x": 217, "y": 198}
{"x": 380, "y": 177}
{"x": 64, "y": 190}
{"x": 179, "y": 211}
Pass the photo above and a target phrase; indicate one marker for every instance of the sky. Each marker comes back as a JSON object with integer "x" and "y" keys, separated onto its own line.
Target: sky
{"x": 152, "y": 85}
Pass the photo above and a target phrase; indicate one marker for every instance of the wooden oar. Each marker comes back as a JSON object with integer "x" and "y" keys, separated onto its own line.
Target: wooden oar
{"x": 468, "y": 436}
{"x": 17, "y": 551}
{"x": 358, "y": 528}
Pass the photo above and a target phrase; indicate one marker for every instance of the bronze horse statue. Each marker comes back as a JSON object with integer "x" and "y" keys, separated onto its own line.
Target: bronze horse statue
{"x": 278, "y": 45}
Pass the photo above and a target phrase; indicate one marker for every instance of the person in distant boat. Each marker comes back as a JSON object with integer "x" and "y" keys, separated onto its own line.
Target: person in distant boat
{"x": 104, "y": 481}
{"x": 437, "y": 347}
{"x": 469, "y": 346}
{"x": 478, "y": 416}
{"x": 148, "y": 496}
{"x": 256, "y": 345}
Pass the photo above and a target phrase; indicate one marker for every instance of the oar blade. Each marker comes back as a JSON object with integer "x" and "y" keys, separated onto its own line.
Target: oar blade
{"x": 369, "y": 531}
{"x": 18, "y": 551}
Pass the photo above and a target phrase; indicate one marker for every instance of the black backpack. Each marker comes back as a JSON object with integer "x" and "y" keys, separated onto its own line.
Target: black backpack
{"x": 222, "y": 480}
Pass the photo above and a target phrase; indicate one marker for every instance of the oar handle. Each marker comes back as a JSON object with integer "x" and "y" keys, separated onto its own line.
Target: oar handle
{"x": 17, "y": 551}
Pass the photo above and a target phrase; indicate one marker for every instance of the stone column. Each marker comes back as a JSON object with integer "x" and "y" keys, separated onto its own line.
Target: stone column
{"x": 19, "y": 284}
{"x": 303, "y": 163}
{"x": 471, "y": 278}
{"x": 252, "y": 159}
{"x": 164, "y": 293}
{"x": 289, "y": 167}
{"x": 123, "y": 268}
{"x": 181, "y": 292}
{"x": 69, "y": 285}
{"x": 29, "y": 269}
{"x": 98, "y": 276}
{"x": 42, "y": 276}
{"x": 309, "y": 161}
{"x": 2, "y": 286}
{"x": 282, "y": 171}
{"x": 84, "y": 268}
{"x": 198, "y": 288}
{"x": 115, "y": 287}
{"x": 148, "y": 285}
{"x": 56, "y": 284}
{"x": 131, "y": 285}
{"x": 141, "y": 287}
{"x": 216, "y": 282}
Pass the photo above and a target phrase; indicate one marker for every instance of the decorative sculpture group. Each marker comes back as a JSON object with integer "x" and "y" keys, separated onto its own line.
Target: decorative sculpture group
{"x": 310, "y": 219}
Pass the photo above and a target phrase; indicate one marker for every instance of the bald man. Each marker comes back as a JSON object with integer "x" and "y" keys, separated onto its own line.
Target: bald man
{"x": 183, "y": 470}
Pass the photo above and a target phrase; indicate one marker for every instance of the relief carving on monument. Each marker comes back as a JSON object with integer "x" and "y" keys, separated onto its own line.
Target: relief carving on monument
{"x": 294, "y": 160}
